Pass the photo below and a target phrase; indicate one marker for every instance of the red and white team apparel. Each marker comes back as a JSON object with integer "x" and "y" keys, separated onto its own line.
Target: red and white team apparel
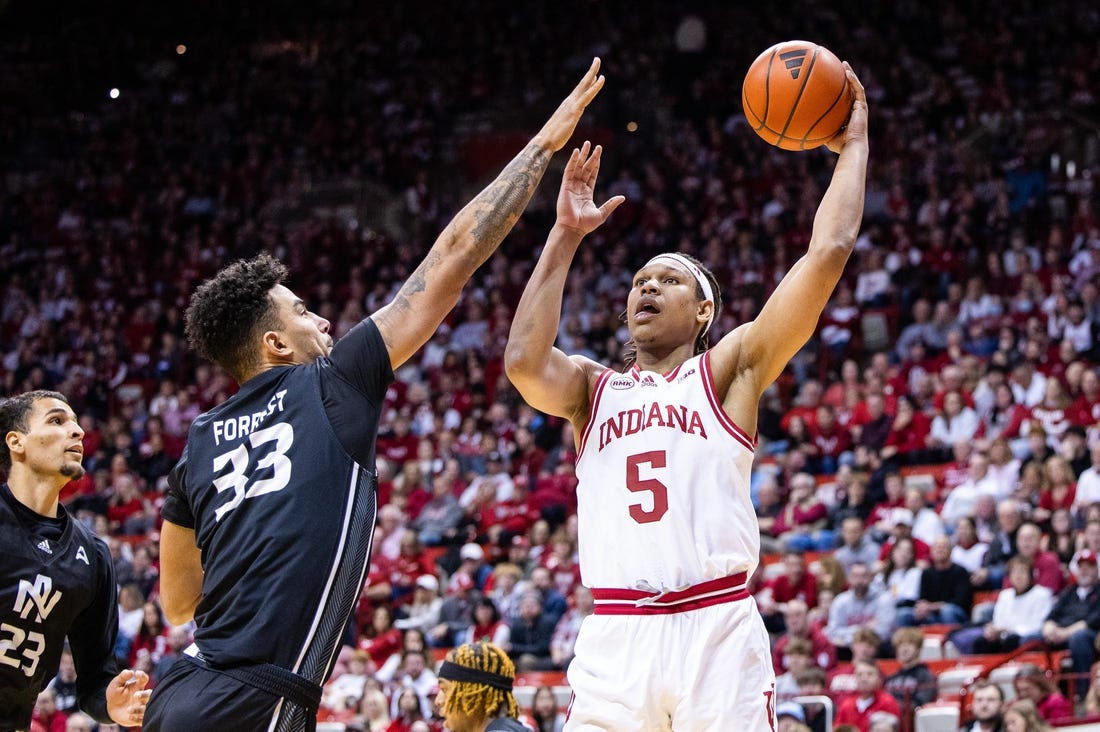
{"x": 664, "y": 484}
{"x": 668, "y": 538}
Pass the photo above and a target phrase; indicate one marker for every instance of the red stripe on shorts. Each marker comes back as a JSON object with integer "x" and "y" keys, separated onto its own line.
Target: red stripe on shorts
{"x": 616, "y": 601}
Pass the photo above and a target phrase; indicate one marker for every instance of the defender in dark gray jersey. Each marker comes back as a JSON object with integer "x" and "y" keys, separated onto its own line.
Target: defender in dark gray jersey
{"x": 270, "y": 512}
{"x": 56, "y": 577}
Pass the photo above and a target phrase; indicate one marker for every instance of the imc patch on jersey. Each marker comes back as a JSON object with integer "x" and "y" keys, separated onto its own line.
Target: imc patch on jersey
{"x": 45, "y": 546}
{"x": 622, "y": 382}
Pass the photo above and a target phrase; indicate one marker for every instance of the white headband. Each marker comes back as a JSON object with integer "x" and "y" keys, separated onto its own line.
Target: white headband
{"x": 683, "y": 262}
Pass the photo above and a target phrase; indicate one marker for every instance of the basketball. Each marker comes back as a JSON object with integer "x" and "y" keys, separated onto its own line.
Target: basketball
{"x": 796, "y": 95}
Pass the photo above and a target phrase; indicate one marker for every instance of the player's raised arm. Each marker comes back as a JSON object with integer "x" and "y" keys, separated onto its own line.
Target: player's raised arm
{"x": 790, "y": 315}
{"x": 548, "y": 379}
{"x": 424, "y": 300}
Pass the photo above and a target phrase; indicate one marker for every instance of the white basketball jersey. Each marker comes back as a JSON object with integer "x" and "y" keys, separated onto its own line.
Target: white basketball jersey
{"x": 664, "y": 483}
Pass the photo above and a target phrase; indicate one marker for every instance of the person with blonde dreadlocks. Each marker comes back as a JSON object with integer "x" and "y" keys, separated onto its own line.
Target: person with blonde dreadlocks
{"x": 475, "y": 690}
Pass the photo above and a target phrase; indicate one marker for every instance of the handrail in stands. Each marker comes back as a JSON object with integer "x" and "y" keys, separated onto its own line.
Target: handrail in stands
{"x": 824, "y": 701}
{"x": 1001, "y": 659}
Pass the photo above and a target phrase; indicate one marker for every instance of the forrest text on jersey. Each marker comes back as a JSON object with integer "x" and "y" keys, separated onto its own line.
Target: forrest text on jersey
{"x": 237, "y": 427}
{"x": 631, "y": 421}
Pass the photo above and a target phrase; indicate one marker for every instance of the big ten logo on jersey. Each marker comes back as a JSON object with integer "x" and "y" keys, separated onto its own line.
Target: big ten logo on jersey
{"x": 236, "y": 427}
{"x": 21, "y": 648}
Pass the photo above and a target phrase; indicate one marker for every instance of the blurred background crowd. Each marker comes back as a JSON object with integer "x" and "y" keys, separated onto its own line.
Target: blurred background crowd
{"x": 945, "y": 415}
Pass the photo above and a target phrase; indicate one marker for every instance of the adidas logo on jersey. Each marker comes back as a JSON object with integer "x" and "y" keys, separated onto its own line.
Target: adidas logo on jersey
{"x": 648, "y": 381}
{"x": 45, "y": 546}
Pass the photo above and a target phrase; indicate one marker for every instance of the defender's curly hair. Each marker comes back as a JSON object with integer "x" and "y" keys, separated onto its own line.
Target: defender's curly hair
{"x": 481, "y": 700}
{"x": 13, "y": 417}
{"x": 702, "y": 342}
{"x": 229, "y": 311}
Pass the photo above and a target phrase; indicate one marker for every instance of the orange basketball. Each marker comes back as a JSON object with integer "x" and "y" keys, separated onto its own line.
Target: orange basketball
{"x": 796, "y": 96}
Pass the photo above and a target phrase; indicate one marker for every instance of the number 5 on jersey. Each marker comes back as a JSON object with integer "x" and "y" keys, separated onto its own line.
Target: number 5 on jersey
{"x": 635, "y": 483}
{"x": 276, "y": 440}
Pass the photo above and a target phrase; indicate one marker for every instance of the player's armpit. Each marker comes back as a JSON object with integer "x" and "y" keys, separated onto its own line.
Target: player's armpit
{"x": 180, "y": 573}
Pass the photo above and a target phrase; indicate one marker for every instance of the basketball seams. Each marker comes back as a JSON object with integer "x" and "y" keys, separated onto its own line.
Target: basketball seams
{"x": 798, "y": 97}
{"x": 768, "y": 87}
{"x": 761, "y": 119}
{"x": 801, "y": 109}
{"x": 840, "y": 95}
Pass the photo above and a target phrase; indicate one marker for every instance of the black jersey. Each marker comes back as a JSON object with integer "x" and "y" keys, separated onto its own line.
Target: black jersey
{"x": 279, "y": 486}
{"x": 56, "y": 580}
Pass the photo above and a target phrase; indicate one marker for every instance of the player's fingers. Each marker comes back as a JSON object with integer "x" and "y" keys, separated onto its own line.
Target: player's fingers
{"x": 572, "y": 164}
{"x": 609, "y": 207}
{"x": 592, "y": 166}
{"x": 854, "y": 82}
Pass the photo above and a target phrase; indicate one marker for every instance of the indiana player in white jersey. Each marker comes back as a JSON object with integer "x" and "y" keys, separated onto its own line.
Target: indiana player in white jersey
{"x": 668, "y": 536}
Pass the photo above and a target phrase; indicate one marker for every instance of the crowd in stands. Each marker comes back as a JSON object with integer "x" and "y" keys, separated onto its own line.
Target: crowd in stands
{"x": 932, "y": 458}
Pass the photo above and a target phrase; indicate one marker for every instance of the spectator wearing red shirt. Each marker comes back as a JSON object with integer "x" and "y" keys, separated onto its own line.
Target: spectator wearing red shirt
{"x": 46, "y": 716}
{"x": 556, "y": 493}
{"x": 809, "y": 397}
{"x": 800, "y": 525}
{"x": 864, "y": 648}
{"x": 796, "y": 620}
{"x": 561, "y": 560}
{"x": 1059, "y": 490}
{"x": 412, "y": 489}
{"x": 1031, "y": 683}
{"x": 410, "y": 563}
{"x": 128, "y": 511}
{"x": 1054, "y": 411}
{"x": 151, "y": 642}
{"x": 1085, "y": 410}
{"x": 870, "y": 423}
{"x": 881, "y": 519}
{"x": 903, "y": 529}
{"x": 952, "y": 378}
{"x": 528, "y": 458}
{"x": 907, "y": 441}
{"x": 376, "y": 590}
{"x": 793, "y": 583}
{"x": 507, "y": 517}
{"x": 956, "y": 472}
{"x": 381, "y": 639}
{"x": 829, "y": 441}
{"x": 1004, "y": 418}
{"x": 870, "y": 697}
{"x": 399, "y": 444}
{"x": 838, "y": 393}
{"x": 1047, "y": 567}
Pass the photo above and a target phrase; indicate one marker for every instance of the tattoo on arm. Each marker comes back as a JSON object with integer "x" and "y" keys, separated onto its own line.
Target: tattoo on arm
{"x": 477, "y": 230}
{"x": 400, "y": 306}
{"x": 496, "y": 209}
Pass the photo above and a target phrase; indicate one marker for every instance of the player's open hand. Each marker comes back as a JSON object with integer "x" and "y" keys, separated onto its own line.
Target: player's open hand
{"x": 856, "y": 129}
{"x": 559, "y": 128}
{"x": 127, "y": 697}
{"x": 576, "y": 207}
